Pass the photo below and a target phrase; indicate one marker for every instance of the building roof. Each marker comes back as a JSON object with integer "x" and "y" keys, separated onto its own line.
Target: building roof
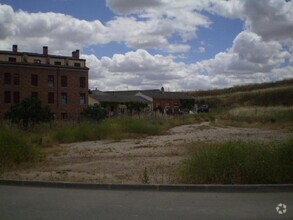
{"x": 166, "y": 95}
{"x": 129, "y": 92}
{"x": 117, "y": 98}
{"x": 38, "y": 55}
{"x": 153, "y": 93}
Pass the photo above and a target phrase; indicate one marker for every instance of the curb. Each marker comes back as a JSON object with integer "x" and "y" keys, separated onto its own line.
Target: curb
{"x": 156, "y": 187}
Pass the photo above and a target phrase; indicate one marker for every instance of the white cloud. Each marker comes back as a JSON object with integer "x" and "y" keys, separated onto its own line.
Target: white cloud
{"x": 141, "y": 70}
{"x": 33, "y": 30}
{"x": 261, "y": 52}
{"x": 250, "y": 59}
{"x": 271, "y": 19}
{"x": 150, "y": 29}
{"x": 201, "y": 49}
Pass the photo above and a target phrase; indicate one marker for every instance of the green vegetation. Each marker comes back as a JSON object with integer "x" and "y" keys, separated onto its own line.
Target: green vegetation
{"x": 29, "y": 111}
{"x": 14, "y": 148}
{"x": 275, "y": 114}
{"x": 17, "y": 145}
{"x": 266, "y": 94}
{"x": 94, "y": 112}
{"x": 145, "y": 177}
{"x": 239, "y": 162}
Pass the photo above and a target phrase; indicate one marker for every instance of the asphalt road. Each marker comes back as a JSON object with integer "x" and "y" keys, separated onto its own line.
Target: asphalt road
{"x": 18, "y": 202}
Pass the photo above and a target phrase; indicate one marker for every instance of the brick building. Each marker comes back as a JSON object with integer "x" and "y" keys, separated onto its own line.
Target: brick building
{"x": 169, "y": 102}
{"x": 60, "y": 82}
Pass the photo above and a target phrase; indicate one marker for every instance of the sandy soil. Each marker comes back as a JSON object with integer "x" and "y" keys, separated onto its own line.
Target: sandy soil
{"x": 126, "y": 160}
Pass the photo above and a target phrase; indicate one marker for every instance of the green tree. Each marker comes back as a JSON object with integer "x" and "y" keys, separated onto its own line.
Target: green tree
{"x": 94, "y": 112}
{"x": 29, "y": 111}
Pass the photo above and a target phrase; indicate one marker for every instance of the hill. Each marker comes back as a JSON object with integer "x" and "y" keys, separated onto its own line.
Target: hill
{"x": 266, "y": 94}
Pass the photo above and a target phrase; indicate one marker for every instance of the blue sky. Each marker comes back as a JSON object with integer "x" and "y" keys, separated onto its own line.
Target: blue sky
{"x": 139, "y": 44}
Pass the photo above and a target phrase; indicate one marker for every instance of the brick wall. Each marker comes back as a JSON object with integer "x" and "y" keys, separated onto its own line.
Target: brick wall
{"x": 25, "y": 88}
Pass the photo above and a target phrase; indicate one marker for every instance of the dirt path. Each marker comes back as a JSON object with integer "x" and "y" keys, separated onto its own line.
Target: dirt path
{"x": 126, "y": 160}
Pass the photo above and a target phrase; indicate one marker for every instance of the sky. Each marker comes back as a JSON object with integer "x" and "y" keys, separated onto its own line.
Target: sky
{"x": 181, "y": 45}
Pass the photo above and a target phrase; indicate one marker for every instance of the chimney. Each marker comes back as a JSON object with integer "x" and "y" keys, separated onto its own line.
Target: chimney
{"x": 75, "y": 54}
{"x": 45, "y": 50}
{"x": 14, "y": 48}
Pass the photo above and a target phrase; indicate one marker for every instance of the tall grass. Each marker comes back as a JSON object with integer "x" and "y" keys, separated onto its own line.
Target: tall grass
{"x": 18, "y": 145}
{"x": 119, "y": 128}
{"x": 276, "y": 114}
{"x": 263, "y": 97}
{"x": 15, "y": 148}
{"x": 240, "y": 162}
{"x": 116, "y": 128}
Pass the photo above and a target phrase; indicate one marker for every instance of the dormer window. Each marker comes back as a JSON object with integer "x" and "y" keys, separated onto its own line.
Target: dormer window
{"x": 58, "y": 63}
{"x": 77, "y": 64}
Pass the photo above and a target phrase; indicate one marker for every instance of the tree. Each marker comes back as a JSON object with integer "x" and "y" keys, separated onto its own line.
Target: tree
{"x": 29, "y": 111}
{"x": 94, "y": 112}
{"x": 187, "y": 103}
{"x": 136, "y": 106}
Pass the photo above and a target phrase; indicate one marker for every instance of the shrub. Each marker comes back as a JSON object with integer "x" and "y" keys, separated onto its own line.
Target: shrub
{"x": 240, "y": 162}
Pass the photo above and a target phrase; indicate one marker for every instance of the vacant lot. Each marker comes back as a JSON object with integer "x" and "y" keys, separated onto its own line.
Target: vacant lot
{"x": 125, "y": 161}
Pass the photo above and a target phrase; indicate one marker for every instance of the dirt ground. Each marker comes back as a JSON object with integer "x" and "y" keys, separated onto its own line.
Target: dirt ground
{"x": 125, "y": 161}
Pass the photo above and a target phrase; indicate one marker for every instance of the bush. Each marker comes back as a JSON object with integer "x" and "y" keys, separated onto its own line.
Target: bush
{"x": 94, "y": 112}
{"x": 14, "y": 149}
{"x": 239, "y": 162}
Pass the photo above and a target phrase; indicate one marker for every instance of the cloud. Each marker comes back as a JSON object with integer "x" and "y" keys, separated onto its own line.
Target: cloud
{"x": 270, "y": 19}
{"x": 34, "y": 30}
{"x": 201, "y": 49}
{"x": 261, "y": 52}
{"x": 131, "y": 6}
{"x": 250, "y": 59}
{"x": 151, "y": 29}
{"x": 141, "y": 70}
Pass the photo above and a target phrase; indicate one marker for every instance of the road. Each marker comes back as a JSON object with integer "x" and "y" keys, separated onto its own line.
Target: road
{"x": 19, "y": 202}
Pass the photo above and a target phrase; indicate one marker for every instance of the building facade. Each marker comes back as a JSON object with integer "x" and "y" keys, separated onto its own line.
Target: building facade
{"x": 168, "y": 102}
{"x": 60, "y": 82}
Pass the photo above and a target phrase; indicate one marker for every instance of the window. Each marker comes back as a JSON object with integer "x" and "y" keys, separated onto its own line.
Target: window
{"x": 50, "y": 97}
{"x": 51, "y": 81}
{"x": 77, "y": 64}
{"x": 34, "y": 95}
{"x": 7, "y": 78}
{"x": 7, "y": 97}
{"x": 16, "y": 79}
{"x": 64, "y": 115}
{"x": 58, "y": 63}
{"x": 11, "y": 59}
{"x": 64, "y": 100}
{"x": 63, "y": 81}
{"x": 34, "y": 80}
{"x": 82, "y": 99}
{"x": 82, "y": 82}
{"x": 16, "y": 97}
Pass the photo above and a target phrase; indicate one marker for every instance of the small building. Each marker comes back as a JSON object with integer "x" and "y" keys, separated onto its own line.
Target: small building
{"x": 60, "y": 82}
{"x": 119, "y": 104}
{"x": 167, "y": 102}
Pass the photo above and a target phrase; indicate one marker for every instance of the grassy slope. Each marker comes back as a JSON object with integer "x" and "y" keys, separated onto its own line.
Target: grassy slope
{"x": 266, "y": 94}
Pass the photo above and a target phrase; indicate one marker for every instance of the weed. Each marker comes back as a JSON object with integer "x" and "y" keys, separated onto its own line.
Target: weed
{"x": 145, "y": 177}
{"x": 240, "y": 162}
{"x": 14, "y": 149}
